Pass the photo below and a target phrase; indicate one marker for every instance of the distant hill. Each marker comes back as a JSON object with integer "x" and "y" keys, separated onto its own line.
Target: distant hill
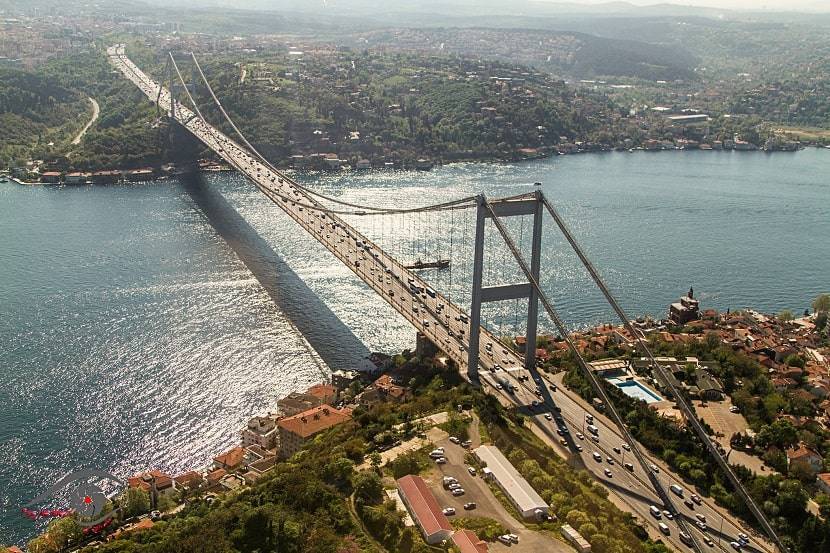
{"x": 564, "y": 53}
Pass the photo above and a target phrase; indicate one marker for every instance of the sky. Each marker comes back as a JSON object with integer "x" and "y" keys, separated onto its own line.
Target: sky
{"x": 789, "y": 5}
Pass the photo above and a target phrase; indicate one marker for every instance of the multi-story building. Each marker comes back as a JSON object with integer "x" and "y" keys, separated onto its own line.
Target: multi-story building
{"x": 296, "y": 430}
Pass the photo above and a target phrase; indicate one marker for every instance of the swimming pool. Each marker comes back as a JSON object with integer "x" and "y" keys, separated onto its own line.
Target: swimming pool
{"x": 634, "y": 389}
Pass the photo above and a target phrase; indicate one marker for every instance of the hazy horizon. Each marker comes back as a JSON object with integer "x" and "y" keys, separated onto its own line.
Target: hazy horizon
{"x": 752, "y": 5}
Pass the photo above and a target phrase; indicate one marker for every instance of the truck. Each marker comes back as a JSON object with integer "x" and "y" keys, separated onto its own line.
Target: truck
{"x": 593, "y": 429}
{"x": 676, "y": 490}
{"x": 598, "y": 404}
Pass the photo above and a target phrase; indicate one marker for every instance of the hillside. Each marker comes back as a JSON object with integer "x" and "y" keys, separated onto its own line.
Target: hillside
{"x": 35, "y": 110}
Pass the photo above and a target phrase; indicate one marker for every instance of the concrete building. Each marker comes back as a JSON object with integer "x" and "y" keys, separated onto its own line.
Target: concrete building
{"x": 297, "y": 402}
{"x": 261, "y": 431}
{"x": 609, "y": 367}
{"x": 424, "y": 509}
{"x": 298, "y": 429}
{"x": 529, "y": 504}
{"x": 686, "y": 310}
{"x": 343, "y": 379}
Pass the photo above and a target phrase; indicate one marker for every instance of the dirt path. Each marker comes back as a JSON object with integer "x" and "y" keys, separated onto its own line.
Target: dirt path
{"x": 95, "y": 112}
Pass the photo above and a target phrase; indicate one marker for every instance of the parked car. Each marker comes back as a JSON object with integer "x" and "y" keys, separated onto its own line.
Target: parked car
{"x": 458, "y": 491}
{"x": 469, "y": 506}
{"x": 471, "y": 470}
{"x": 448, "y": 511}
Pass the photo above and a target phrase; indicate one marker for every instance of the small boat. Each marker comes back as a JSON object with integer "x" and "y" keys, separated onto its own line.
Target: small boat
{"x": 537, "y": 184}
{"x": 437, "y": 264}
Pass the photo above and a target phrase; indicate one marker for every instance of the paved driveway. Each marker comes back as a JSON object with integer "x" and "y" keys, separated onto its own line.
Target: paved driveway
{"x": 487, "y": 505}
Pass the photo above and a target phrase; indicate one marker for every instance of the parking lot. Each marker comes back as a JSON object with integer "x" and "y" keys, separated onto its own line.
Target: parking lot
{"x": 487, "y": 505}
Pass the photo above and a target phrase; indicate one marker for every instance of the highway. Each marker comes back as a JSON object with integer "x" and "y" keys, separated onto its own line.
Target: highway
{"x": 444, "y": 323}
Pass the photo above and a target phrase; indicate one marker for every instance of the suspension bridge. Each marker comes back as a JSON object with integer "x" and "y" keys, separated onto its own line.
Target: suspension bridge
{"x": 381, "y": 262}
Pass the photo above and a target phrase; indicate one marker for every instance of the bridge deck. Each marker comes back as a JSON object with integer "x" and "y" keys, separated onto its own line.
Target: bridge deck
{"x": 444, "y": 326}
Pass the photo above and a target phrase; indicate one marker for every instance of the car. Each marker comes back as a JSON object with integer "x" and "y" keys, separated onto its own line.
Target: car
{"x": 471, "y": 470}
{"x": 455, "y": 440}
{"x": 629, "y": 466}
{"x": 560, "y": 432}
{"x": 626, "y": 447}
{"x": 700, "y": 517}
{"x": 448, "y": 511}
{"x": 513, "y": 538}
{"x": 655, "y": 512}
{"x": 458, "y": 491}
{"x": 735, "y": 545}
{"x": 654, "y": 467}
{"x": 734, "y": 409}
{"x": 668, "y": 515}
{"x": 454, "y": 486}
{"x": 610, "y": 460}
{"x": 616, "y": 450}
{"x": 469, "y": 506}
{"x": 580, "y": 435}
{"x": 578, "y": 447}
{"x": 595, "y": 439}
{"x": 597, "y": 456}
{"x": 743, "y": 538}
{"x": 696, "y": 498}
{"x": 504, "y": 539}
{"x": 701, "y": 525}
{"x": 466, "y": 443}
{"x": 688, "y": 503}
{"x": 553, "y": 387}
{"x": 563, "y": 441}
{"x": 441, "y": 460}
{"x": 608, "y": 473}
{"x": 548, "y": 416}
{"x": 709, "y": 542}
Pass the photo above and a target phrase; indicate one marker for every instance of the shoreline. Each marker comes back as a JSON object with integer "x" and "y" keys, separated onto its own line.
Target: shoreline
{"x": 127, "y": 176}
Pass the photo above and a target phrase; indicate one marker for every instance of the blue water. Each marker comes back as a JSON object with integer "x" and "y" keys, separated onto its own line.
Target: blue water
{"x": 141, "y": 325}
{"x": 636, "y": 390}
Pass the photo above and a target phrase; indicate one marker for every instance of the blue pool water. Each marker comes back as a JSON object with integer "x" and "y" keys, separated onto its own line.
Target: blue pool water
{"x": 634, "y": 389}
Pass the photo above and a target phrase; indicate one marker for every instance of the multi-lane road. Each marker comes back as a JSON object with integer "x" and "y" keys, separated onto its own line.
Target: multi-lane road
{"x": 446, "y": 325}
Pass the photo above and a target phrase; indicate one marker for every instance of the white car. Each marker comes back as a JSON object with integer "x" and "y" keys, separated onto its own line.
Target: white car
{"x": 455, "y": 440}
{"x": 654, "y": 467}
{"x": 608, "y": 473}
{"x": 441, "y": 460}
{"x": 448, "y": 511}
{"x": 505, "y": 539}
{"x": 458, "y": 491}
{"x": 513, "y": 538}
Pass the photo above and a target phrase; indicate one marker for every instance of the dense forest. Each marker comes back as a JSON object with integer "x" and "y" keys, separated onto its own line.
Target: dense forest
{"x": 35, "y": 109}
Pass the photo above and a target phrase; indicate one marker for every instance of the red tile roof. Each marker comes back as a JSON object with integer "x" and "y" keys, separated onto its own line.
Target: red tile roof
{"x": 467, "y": 542}
{"x": 326, "y": 393}
{"x": 308, "y": 423}
{"x": 423, "y": 505}
{"x": 231, "y": 458}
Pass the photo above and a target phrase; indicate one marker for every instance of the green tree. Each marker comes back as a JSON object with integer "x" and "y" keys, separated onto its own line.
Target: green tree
{"x": 822, "y": 303}
{"x": 368, "y": 488}
{"x": 64, "y": 531}
{"x": 136, "y": 502}
{"x": 786, "y": 315}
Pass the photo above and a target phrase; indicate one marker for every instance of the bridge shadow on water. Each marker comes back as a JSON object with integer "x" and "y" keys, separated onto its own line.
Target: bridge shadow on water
{"x": 328, "y": 335}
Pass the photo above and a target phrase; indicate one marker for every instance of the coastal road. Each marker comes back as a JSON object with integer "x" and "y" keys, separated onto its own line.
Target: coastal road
{"x": 95, "y": 113}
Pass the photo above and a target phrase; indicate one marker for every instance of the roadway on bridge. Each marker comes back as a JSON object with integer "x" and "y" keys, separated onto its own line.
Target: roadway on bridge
{"x": 443, "y": 322}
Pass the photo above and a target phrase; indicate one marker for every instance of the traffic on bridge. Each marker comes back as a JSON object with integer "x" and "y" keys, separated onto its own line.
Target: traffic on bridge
{"x": 588, "y": 438}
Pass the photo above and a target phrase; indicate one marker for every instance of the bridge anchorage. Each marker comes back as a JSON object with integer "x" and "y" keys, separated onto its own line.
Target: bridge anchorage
{"x": 433, "y": 312}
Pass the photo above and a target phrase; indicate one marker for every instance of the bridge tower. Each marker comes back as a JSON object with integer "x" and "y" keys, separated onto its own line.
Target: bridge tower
{"x": 481, "y": 294}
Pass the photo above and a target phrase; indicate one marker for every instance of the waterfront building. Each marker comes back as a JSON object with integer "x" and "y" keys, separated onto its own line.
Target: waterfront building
{"x": 296, "y": 430}
{"x": 297, "y": 402}
{"x": 520, "y": 493}
{"x": 230, "y": 460}
{"x": 424, "y": 509}
{"x": 686, "y": 310}
{"x": 261, "y": 431}
{"x": 50, "y": 177}
{"x": 343, "y": 379}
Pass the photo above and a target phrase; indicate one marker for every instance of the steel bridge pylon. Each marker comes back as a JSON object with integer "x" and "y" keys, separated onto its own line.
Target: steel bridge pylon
{"x": 482, "y": 294}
